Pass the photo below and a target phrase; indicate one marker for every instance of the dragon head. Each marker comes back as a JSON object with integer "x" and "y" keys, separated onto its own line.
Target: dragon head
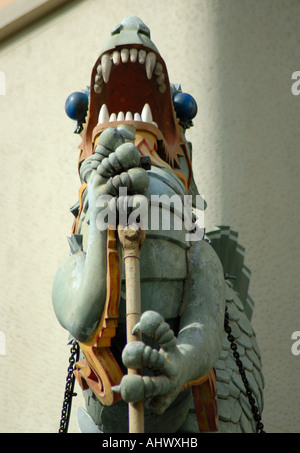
{"x": 130, "y": 84}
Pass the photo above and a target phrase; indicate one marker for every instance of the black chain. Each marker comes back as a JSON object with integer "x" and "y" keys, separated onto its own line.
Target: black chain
{"x": 70, "y": 381}
{"x": 236, "y": 355}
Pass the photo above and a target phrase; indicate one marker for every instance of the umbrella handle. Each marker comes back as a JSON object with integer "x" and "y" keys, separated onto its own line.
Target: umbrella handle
{"x": 131, "y": 239}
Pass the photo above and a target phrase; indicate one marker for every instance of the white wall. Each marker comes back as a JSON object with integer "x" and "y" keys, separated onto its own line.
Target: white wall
{"x": 236, "y": 57}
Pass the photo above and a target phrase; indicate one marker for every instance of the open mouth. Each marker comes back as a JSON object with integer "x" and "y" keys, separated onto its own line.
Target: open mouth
{"x": 130, "y": 85}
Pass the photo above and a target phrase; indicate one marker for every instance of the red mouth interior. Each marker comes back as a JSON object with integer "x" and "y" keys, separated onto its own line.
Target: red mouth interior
{"x": 129, "y": 89}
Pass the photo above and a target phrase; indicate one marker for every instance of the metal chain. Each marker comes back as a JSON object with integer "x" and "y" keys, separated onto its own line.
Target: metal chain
{"x": 236, "y": 355}
{"x": 70, "y": 381}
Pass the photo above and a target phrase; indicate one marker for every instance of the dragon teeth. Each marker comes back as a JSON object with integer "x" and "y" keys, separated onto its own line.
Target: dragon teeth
{"x": 133, "y": 55}
{"x": 124, "y": 56}
{"x": 98, "y": 79}
{"x": 150, "y": 64}
{"x": 116, "y": 57}
{"x": 128, "y": 116}
{"x": 145, "y": 116}
{"x": 113, "y": 117}
{"x": 106, "y": 65}
{"x": 158, "y": 69}
{"x": 103, "y": 114}
{"x": 99, "y": 69}
{"x": 120, "y": 116}
{"x": 142, "y": 56}
{"x": 160, "y": 79}
{"x": 97, "y": 88}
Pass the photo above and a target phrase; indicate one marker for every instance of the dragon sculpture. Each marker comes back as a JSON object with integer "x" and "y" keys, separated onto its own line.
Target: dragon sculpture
{"x": 198, "y": 352}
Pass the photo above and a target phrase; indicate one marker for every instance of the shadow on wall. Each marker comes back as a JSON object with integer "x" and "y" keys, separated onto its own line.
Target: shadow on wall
{"x": 257, "y": 122}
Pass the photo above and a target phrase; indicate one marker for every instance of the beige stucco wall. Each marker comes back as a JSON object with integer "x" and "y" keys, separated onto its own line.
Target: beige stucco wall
{"x": 236, "y": 57}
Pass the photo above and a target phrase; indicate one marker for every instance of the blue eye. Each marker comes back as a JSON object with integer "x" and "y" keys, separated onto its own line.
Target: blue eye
{"x": 77, "y": 105}
{"x": 185, "y": 106}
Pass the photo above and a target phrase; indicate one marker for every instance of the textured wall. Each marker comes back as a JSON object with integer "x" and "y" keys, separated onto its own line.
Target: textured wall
{"x": 236, "y": 58}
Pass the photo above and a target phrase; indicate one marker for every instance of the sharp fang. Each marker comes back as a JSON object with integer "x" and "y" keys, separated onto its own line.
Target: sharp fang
{"x": 103, "y": 114}
{"x": 133, "y": 55}
{"x": 106, "y": 65}
{"x": 150, "y": 63}
{"x": 142, "y": 56}
{"x": 146, "y": 114}
{"x": 124, "y": 55}
{"x": 113, "y": 117}
{"x": 137, "y": 117}
{"x": 128, "y": 116}
{"x": 99, "y": 69}
{"x": 120, "y": 116}
{"x": 116, "y": 57}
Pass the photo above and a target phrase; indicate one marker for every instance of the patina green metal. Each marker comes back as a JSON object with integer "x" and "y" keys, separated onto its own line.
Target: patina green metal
{"x": 183, "y": 289}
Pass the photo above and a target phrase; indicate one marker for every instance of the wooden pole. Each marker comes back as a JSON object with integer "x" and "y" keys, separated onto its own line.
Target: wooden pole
{"x": 131, "y": 239}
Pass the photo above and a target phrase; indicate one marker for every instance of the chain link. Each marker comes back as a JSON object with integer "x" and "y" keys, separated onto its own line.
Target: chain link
{"x": 236, "y": 355}
{"x": 70, "y": 381}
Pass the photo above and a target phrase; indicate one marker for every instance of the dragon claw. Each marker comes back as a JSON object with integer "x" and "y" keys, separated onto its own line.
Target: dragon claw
{"x": 136, "y": 328}
{"x": 153, "y": 325}
{"x": 134, "y": 388}
{"x": 137, "y": 355}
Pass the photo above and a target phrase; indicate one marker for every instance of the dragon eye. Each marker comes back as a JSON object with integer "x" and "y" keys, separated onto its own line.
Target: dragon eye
{"x": 77, "y": 105}
{"x": 144, "y": 30}
{"x": 185, "y": 106}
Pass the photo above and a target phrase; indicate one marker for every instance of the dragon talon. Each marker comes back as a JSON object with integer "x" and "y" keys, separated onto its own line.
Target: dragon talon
{"x": 136, "y": 329}
{"x": 116, "y": 388}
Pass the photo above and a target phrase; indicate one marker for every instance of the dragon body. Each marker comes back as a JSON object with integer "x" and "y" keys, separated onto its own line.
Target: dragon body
{"x": 190, "y": 380}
